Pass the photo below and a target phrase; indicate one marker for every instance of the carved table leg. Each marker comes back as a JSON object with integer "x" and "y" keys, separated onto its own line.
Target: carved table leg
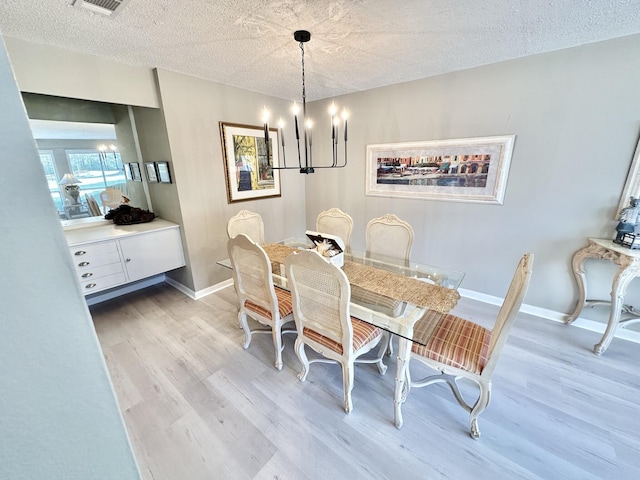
{"x": 403, "y": 381}
{"x": 629, "y": 268}
{"x": 590, "y": 251}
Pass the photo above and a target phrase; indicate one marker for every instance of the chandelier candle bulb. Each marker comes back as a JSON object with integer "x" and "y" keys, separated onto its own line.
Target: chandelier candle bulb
{"x": 344, "y": 117}
{"x": 295, "y": 119}
{"x": 332, "y": 112}
{"x": 114, "y": 149}
{"x": 265, "y": 120}
{"x": 280, "y": 127}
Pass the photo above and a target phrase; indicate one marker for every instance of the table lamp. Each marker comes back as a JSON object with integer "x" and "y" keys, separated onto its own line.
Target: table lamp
{"x": 70, "y": 183}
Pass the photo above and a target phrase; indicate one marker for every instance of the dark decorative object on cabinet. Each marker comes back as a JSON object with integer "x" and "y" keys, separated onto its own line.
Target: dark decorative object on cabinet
{"x": 127, "y": 215}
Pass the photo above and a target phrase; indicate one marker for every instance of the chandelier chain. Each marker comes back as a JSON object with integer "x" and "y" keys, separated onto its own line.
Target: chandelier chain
{"x": 304, "y": 94}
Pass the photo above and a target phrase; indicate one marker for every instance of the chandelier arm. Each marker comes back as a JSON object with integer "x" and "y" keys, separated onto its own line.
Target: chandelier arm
{"x": 329, "y": 166}
{"x": 299, "y": 159}
{"x": 266, "y": 144}
{"x": 284, "y": 158}
{"x": 345, "y": 154}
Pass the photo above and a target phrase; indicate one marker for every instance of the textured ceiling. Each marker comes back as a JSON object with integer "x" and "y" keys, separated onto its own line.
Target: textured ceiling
{"x": 355, "y": 45}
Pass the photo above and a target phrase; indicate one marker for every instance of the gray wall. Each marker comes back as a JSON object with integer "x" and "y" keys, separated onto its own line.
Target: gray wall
{"x": 154, "y": 147}
{"x": 53, "y": 71}
{"x": 192, "y": 110}
{"x": 59, "y": 416}
{"x": 575, "y": 114}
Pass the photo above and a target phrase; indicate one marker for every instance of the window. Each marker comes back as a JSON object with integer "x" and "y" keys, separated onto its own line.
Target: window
{"x": 97, "y": 171}
{"x": 49, "y": 167}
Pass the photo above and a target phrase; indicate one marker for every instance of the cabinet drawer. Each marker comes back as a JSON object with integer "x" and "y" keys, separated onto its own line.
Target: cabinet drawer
{"x": 102, "y": 283}
{"x": 83, "y": 263}
{"x": 102, "y": 248}
{"x": 91, "y": 272}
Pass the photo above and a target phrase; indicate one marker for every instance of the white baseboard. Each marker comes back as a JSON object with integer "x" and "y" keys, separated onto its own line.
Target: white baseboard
{"x": 585, "y": 323}
{"x": 200, "y": 293}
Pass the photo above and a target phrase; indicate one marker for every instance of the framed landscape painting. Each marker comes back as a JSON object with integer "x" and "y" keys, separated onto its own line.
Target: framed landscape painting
{"x": 459, "y": 170}
{"x": 249, "y": 173}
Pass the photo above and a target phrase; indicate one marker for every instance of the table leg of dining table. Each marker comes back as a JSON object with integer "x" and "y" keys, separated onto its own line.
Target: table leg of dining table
{"x": 403, "y": 380}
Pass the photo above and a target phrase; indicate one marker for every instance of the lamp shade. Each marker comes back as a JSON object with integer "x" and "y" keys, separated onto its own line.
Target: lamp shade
{"x": 69, "y": 179}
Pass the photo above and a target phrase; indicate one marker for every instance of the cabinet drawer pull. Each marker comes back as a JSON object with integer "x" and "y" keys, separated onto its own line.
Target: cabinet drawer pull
{"x": 90, "y": 285}
{"x": 87, "y": 275}
{"x": 80, "y": 252}
{"x": 83, "y": 264}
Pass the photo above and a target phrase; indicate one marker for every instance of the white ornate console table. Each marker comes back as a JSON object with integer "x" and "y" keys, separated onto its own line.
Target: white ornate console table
{"x": 629, "y": 268}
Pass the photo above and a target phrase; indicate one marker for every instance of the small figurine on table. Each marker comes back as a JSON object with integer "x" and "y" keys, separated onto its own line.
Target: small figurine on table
{"x": 628, "y": 219}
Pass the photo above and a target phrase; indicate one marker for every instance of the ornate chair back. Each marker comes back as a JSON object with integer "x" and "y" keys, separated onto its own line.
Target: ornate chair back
{"x": 336, "y": 222}
{"x": 389, "y": 236}
{"x": 249, "y": 223}
{"x": 258, "y": 298}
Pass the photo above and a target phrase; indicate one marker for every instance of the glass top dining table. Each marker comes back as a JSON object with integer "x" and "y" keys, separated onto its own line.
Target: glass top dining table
{"x": 418, "y": 297}
{"x": 398, "y": 314}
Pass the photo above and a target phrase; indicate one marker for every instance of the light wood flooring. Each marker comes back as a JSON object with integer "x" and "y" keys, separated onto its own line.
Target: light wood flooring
{"x": 199, "y": 406}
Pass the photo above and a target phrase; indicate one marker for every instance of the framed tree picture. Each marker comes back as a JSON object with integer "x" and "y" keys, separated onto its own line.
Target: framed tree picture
{"x": 249, "y": 174}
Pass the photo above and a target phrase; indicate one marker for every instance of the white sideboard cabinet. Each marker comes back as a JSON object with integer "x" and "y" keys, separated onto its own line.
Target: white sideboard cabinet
{"x": 108, "y": 255}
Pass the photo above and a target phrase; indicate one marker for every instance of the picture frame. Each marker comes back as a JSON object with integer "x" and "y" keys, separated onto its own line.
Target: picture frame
{"x": 127, "y": 171}
{"x": 135, "y": 171}
{"x": 632, "y": 184}
{"x": 459, "y": 170}
{"x": 164, "y": 174}
{"x": 152, "y": 174}
{"x": 249, "y": 174}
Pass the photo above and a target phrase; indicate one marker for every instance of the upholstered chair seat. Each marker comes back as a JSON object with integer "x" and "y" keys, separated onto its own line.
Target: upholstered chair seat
{"x": 363, "y": 333}
{"x": 457, "y": 342}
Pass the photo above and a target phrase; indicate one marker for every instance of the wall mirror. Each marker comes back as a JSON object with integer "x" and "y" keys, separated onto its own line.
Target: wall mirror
{"x": 632, "y": 185}
{"x": 85, "y": 148}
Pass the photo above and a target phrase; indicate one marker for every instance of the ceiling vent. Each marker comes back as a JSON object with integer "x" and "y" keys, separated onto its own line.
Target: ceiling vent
{"x": 102, "y": 7}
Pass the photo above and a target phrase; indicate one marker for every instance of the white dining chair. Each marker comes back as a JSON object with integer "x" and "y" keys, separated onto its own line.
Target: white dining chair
{"x": 461, "y": 349}
{"x": 336, "y": 222}
{"x": 389, "y": 236}
{"x": 249, "y": 223}
{"x": 257, "y": 296}
{"x": 386, "y": 236}
{"x": 111, "y": 198}
{"x": 321, "y": 296}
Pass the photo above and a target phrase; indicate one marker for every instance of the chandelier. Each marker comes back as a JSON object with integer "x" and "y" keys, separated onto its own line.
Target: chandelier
{"x": 305, "y": 164}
